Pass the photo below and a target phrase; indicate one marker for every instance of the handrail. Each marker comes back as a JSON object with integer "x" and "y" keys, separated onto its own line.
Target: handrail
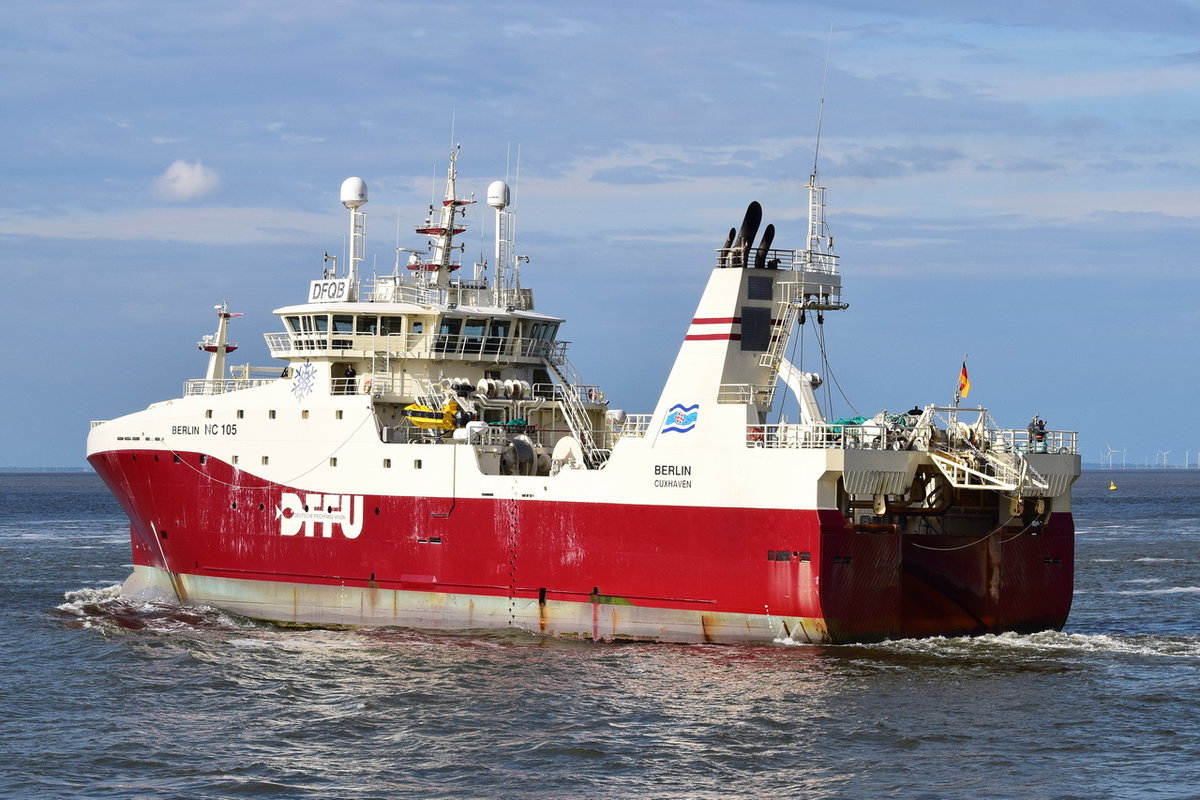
{"x": 204, "y": 386}
{"x": 795, "y": 260}
{"x": 576, "y": 414}
{"x": 635, "y": 426}
{"x": 759, "y": 393}
{"x": 395, "y": 289}
{"x": 887, "y": 436}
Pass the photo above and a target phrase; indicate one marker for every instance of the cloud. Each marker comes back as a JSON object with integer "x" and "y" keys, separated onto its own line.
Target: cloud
{"x": 891, "y": 161}
{"x": 186, "y": 180}
{"x": 1096, "y": 85}
{"x": 195, "y": 225}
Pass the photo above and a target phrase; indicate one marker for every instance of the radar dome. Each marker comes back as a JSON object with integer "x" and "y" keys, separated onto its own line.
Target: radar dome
{"x": 354, "y": 192}
{"x": 497, "y": 194}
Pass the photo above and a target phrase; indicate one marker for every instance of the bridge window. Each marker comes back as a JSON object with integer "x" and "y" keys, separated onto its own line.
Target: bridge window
{"x": 472, "y": 335}
{"x": 447, "y": 338}
{"x": 496, "y": 335}
{"x": 390, "y": 325}
{"x": 343, "y": 323}
{"x": 367, "y": 324}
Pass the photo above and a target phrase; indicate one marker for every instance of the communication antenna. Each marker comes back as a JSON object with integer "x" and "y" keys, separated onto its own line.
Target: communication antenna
{"x": 512, "y": 231}
{"x": 819, "y": 252}
{"x": 821, "y": 105}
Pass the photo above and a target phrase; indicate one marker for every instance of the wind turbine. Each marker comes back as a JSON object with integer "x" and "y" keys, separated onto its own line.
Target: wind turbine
{"x": 1108, "y": 455}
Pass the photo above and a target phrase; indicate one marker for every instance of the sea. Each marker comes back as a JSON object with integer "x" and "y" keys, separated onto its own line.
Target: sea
{"x": 103, "y": 698}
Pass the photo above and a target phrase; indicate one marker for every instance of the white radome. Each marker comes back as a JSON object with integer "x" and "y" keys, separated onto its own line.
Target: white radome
{"x": 354, "y": 192}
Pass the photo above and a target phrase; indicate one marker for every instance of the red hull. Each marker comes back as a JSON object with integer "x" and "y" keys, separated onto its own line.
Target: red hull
{"x": 214, "y": 520}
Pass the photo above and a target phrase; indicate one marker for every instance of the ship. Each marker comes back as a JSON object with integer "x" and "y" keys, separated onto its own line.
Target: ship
{"x": 425, "y": 455}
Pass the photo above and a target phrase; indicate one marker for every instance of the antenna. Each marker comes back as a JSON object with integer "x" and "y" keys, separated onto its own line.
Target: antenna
{"x": 821, "y": 104}
{"x": 512, "y": 231}
{"x": 396, "y": 271}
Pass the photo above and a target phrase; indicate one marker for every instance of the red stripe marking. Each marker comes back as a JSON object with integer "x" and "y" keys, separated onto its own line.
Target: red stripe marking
{"x": 732, "y": 337}
{"x": 717, "y": 320}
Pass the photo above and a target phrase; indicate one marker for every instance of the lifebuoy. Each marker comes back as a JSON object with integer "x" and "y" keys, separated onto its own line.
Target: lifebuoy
{"x": 366, "y": 386}
{"x": 592, "y": 395}
{"x": 755, "y": 435}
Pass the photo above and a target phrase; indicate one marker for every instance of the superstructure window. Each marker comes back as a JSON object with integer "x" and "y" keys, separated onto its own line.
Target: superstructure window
{"x": 447, "y": 338}
{"x": 497, "y": 334}
{"x": 306, "y": 329}
{"x": 367, "y": 324}
{"x": 391, "y": 325}
{"x": 343, "y": 323}
{"x": 545, "y": 331}
{"x": 472, "y": 335}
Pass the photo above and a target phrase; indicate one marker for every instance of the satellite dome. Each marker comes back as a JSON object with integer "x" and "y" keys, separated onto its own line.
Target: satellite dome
{"x": 497, "y": 194}
{"x": 354, "y": 192}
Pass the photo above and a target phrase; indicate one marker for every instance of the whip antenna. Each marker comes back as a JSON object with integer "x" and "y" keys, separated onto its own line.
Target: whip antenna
{"x": 821, "y": 105}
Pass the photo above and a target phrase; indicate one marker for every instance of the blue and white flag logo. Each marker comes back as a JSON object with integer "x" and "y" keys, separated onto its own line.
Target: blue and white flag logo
{"x": 681, "y": 419}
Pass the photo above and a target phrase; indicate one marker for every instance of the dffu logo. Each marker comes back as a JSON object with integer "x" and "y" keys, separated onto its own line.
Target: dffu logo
{"x": 320, "y": 511}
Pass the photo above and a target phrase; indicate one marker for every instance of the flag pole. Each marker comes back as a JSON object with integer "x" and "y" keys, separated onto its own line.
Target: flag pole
{"x": 964, "y": 383}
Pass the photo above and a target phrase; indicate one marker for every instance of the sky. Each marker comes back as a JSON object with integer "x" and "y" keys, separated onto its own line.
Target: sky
{"x": 1015, "y": 182}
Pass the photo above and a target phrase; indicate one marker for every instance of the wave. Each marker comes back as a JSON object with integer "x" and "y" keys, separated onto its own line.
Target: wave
{"x": 1051, "y": 643}
{"x": 108, "y": 610}
{"x": 1168, "y": 590}
{"x": 1010, "y": 646}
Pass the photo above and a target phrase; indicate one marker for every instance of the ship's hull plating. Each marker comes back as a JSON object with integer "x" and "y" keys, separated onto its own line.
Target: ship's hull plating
{"x": 216, "y": 535}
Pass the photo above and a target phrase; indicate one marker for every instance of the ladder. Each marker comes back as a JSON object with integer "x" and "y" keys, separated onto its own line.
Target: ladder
{"x": 576, "y": 415}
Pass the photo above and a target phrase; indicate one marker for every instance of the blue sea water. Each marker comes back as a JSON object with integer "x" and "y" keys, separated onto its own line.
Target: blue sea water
{"x": 105, "y": 699}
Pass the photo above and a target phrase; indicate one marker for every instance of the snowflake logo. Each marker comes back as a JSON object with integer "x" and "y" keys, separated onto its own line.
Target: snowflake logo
{"x": 304, "y": 381}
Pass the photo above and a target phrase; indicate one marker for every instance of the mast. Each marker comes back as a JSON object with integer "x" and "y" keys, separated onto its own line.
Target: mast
{"x": 354, "y": 196}
{"x": 217, "y": 345}
{"x": 445, "y": 229}
{"x": 498, "y": 197}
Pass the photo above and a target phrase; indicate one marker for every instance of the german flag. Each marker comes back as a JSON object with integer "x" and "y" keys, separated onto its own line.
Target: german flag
{"x": 964, "y": 382}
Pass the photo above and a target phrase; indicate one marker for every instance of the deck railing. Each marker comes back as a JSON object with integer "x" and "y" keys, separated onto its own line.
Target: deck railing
{"x": 202, "y": 386}
{"x": 878, "y": 436}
